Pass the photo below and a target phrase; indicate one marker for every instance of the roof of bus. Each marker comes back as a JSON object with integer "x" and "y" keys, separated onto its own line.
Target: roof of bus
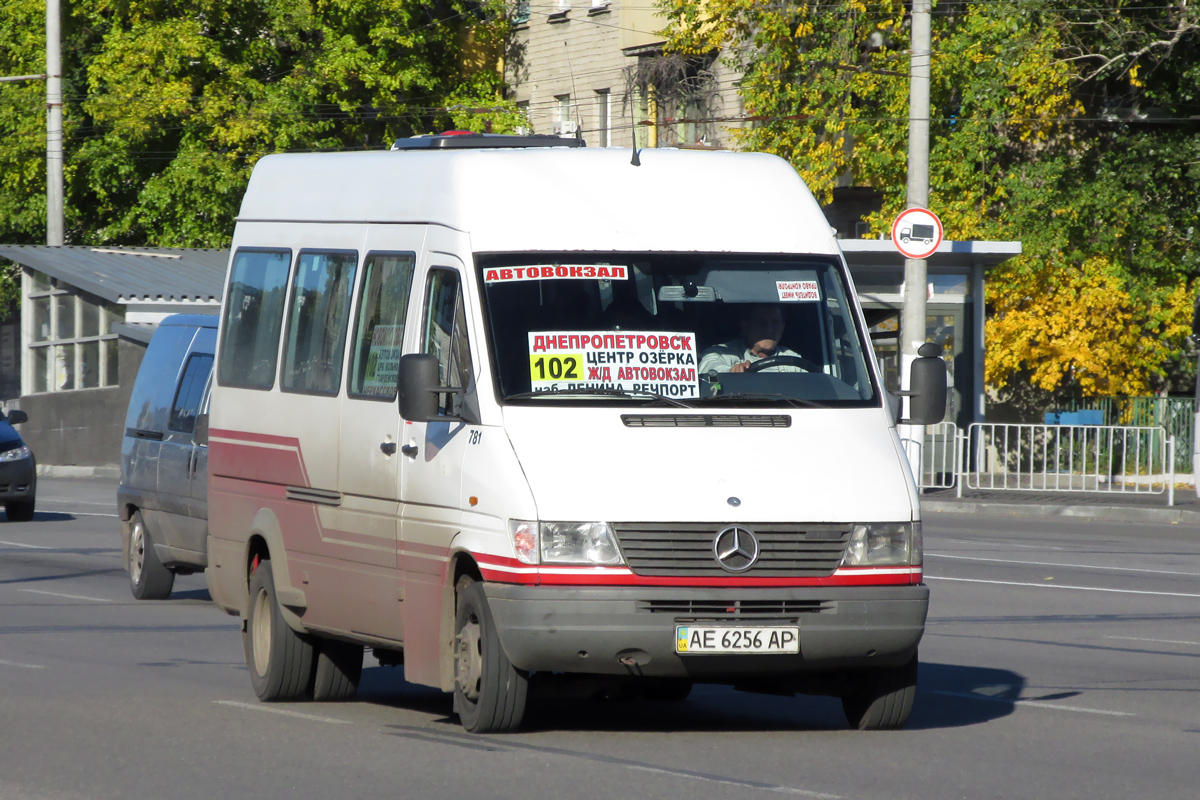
{"x": 554, "y": 199}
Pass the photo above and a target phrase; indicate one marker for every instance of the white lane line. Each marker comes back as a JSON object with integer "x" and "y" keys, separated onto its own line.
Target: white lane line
{"x": 1061, "y": 586}
{"x": 30, "y": 546}
{"x": 87, "y": 514}
{"x": 1056, "y": 564}
{"x": 280, "y": 711}
{"x": 1157, "y": 641}
{"x": 4, "y": 663}
{"x": 67, "y": 596}
{"x": 1033, "y": 704}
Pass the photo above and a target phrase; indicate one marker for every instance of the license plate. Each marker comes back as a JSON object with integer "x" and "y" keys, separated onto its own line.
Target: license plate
{"x": 705, "y": 639}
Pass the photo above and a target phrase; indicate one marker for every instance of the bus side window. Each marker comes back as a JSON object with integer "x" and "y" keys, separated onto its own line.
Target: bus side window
{"x": 445, "y": 332}
{"x": 379, "y": 329}
{"x": 253, "y": 318}
{"x": 316, "y": 333}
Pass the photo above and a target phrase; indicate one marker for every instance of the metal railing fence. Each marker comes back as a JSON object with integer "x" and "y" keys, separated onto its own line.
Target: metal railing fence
{"x": 1068, "y": 458}
{"x": 1175, "y": 414}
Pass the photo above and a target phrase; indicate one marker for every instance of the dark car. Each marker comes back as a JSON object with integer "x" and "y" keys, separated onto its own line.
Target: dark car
{"x": 18, "y": 470}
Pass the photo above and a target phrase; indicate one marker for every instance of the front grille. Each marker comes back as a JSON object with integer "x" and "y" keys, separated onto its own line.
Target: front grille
{"x": 706, "y": 420}
{"x": 735, "y": 609}
{"x": 786, "y": 549}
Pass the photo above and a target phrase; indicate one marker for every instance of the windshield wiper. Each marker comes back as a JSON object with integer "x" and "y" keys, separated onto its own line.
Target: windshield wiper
{"x": 600, "y": 392}
{"x": 795, "y": 402}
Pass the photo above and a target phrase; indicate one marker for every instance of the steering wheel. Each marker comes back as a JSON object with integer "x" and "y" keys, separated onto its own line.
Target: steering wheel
{"x": 783, "y": 361}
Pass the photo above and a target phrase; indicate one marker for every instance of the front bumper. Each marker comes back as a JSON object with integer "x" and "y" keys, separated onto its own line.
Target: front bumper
{"x": 18, "y": 479}
{"x": 631, "y": 630}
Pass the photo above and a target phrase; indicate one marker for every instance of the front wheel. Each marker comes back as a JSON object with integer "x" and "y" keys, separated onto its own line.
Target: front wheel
{"x": 882, "y": 700}
{"x": 280, "y": 659}
{"x": 489, "y": 692}
{"x": 148, "y": 578}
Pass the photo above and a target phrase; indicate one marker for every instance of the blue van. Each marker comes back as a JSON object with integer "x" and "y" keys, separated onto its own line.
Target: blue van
{"x": 162, "y": 500}
{"x": 18, "y": 469}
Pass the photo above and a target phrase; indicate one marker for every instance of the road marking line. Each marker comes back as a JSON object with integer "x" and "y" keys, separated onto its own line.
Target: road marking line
{"x": 68, "y": 596}
{"x": 30, "y": 546}
{"x": 1160, "y": 641}
{"x": 1033, "y": 703}
{"x": 87, "y": 514}
{"x": 1060, "y": 586}
{"x": 280, "y": 711}
{"x": 23, "y": 666}
{"x": 1055, "y": 564}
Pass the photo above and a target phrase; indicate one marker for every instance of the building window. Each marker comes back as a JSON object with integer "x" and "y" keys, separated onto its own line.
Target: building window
{"x": 603, "y": 117}
{"x": 564, "y": 126}
{"x": 69, "y": 337}
{"x": 521, "y": 12}
{"x": 526, "y": 127}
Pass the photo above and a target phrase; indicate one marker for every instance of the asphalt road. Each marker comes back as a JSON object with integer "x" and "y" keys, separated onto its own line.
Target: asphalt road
{"x": 1061, "y": 660}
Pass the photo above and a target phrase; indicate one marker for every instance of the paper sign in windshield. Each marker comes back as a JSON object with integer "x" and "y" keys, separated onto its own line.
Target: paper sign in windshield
{"x": 662, "y": 362}
{"x": 542, "y": 272}
{"x": 383, "y": 361}
{"x": 798, "y": 291}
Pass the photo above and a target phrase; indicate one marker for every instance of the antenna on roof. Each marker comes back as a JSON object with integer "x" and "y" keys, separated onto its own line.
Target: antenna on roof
{"x": 635, "y": 161}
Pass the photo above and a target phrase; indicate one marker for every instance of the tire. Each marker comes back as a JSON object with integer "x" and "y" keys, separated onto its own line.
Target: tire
{"x": 337, "y": 670}
{"x": 489, "y": 692}
{"x": 882, "y": 699}
{"x": 280, "y": 660}
{"x": 148, "y": 578}
{"x": 19, "y": 510}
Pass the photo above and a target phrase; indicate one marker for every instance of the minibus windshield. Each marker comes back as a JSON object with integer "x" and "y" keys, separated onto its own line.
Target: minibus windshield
{"x": 677, "y": 329}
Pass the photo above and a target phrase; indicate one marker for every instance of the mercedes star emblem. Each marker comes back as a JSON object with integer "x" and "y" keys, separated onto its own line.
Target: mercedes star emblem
{"x": 736, "y": 548}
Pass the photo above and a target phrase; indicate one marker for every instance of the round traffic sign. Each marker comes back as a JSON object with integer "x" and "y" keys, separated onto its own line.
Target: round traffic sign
{"x": 917, "y": 232}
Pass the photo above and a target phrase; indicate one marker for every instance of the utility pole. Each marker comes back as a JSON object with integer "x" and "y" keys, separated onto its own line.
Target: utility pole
{"x": 54, "y": 125}
{"x": 912, "y": 316}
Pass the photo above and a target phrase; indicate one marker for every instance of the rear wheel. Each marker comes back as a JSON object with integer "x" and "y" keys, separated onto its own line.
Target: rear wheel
{"x": 489, "y": 692}
{"x": 148, "y": 578}
{"x": 280, "y": 660}
{"x": 337, "y": 671}
{"x": 19, "y": 510}
{"x": 882, "y": 700}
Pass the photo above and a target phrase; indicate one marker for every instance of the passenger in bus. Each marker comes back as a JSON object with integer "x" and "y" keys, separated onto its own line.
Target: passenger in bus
{"x": 762, "y": 328}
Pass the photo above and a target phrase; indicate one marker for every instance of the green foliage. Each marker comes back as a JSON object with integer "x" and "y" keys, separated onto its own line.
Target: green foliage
{"x": 169, "y": 103}
{"x": 1041, "y": 132}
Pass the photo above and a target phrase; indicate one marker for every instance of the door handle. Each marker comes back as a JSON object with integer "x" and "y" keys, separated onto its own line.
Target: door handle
{"x": 388, "y": 448}
{"x": 409, "y": 450}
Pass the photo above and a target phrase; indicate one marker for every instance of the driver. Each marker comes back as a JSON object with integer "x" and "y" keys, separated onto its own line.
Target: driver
{"x": 762, "y": 327}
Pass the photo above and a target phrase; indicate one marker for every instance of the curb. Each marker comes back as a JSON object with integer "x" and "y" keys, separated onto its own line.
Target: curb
{"x": 56, "y": 471}
{"x": 1109, "y": 513}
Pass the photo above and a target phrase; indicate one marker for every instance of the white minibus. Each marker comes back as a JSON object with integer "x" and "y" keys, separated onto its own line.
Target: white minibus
{"x": 501, "y": 408}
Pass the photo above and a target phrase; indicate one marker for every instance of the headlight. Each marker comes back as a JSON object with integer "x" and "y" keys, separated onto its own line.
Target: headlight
{"x": 579, "y": 543}
{"x": 564, "y": 542}
{"x": 19, "y": 453}
{"x": 884, "y": 544}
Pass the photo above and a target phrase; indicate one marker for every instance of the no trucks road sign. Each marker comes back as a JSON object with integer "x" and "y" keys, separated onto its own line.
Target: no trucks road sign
{"x": 917, "y": 232}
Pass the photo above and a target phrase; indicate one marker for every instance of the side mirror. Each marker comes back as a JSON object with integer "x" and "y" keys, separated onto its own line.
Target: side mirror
{"x": 927, "y": 387}
{"x": 418, "y": 388}
{"x": 16, "y": 417}
{"x": 200, "y": 431}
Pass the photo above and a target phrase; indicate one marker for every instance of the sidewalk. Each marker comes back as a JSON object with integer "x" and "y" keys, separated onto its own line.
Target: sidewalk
{"x": 1112, "y": 506}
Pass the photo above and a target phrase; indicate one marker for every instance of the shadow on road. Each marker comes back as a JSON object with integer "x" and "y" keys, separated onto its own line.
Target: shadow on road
{"x": 948, "y": 696}
{"x": 48, "y": 516}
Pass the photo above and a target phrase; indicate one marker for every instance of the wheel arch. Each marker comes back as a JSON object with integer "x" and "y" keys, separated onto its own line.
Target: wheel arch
{"x": 265, "y": 542}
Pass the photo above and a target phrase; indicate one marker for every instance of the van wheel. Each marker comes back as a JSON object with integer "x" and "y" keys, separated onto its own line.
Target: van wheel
{"x": 882, "y": 700}
{"x": 489, "y": 692}
{"x": 280, "y": 659}
{"x": 148, "y": 578}
{"x": 337, "y": 671}
{"x": 19, "y": 510}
